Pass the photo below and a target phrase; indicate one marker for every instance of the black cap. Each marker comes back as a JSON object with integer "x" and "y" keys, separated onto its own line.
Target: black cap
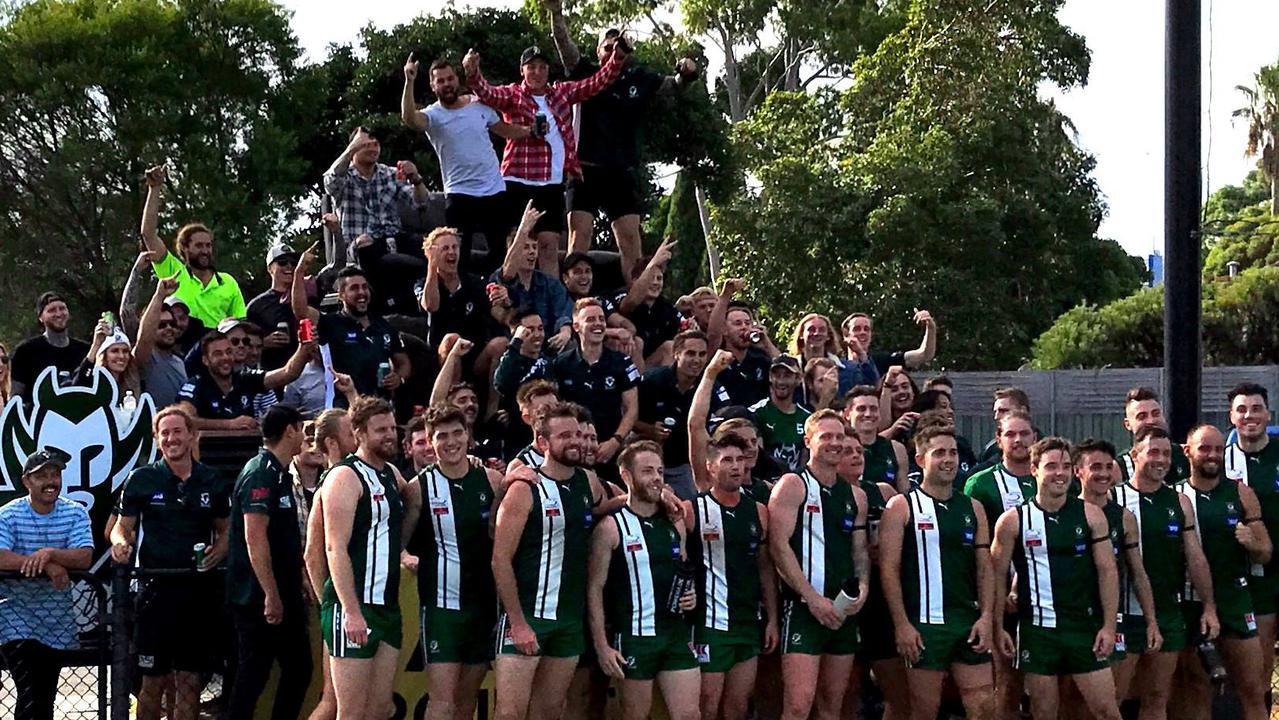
{"x": 46, "y": 456}
{"x": 532, "y": 53}
{"x": 786, "y": 361}
{"x": 572, "y": 259}
{"x": 45, "y": 299}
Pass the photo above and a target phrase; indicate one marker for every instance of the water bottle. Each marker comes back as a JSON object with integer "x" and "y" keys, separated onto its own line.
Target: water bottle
{"x": 683, "y": 584}
{"x": 129, "y": 405}
{"x": 847, "y": 596}
{"x": 1210, "y": 658}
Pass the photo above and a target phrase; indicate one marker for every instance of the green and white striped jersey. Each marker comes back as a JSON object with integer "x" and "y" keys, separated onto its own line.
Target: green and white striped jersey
{"x": 823, "y": 537}
{"x": 453, "y": 540}
{"x": 531, "y": 456}
{"x": 550, "y": 559}
{"x": 726, "y": 547}
{"x": 1056, "y": 575}
{"x": 1160, "y": 523}
{"x": 374, "y": 546}
{"x": 641, "y": 574}
{"x": 939, "y": 560}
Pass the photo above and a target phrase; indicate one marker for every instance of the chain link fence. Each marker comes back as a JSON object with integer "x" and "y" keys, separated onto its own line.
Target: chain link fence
{"x": 55, "y": 657}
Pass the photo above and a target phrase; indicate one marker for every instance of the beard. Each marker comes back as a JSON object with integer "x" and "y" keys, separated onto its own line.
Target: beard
{"x": 570, "y": 456}
{"x": 1207, "y": 468}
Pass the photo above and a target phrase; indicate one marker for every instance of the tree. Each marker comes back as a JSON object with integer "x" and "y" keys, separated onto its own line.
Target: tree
{"x": 94, "y": 90}
{"x": 1238, "y": 320}
{"x": 1262, "y": 115}
{"x": 940, "y": 179}
{"x": 1239, "y": 227}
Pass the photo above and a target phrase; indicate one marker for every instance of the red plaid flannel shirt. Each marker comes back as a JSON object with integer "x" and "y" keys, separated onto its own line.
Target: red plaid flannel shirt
{"x": 530, "y": 158}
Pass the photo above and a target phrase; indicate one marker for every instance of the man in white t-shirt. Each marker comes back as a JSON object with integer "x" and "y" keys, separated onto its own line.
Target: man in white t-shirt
{"x": 458, "y": 127}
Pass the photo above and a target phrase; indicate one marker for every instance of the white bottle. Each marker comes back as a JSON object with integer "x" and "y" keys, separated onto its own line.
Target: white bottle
{"x": 128, "y": 406}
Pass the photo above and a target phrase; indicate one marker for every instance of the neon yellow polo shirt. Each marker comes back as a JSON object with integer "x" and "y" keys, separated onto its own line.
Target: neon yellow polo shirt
{"x": 210, "y": 304}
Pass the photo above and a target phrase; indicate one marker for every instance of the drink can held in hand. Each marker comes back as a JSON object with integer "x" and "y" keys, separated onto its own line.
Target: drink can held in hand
{"x": 756, "y": 337}
{"x": 683, "y": 584}
{"x": 383, "y": 369}
{"x": 306, "y": 330}
{"x": 109, "y": 317}
{"x": 199, "y": 550}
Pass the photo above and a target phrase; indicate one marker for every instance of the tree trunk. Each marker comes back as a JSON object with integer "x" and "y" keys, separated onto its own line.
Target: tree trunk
{"x": 704, "y": 213}
{"x": 732, "y": 77}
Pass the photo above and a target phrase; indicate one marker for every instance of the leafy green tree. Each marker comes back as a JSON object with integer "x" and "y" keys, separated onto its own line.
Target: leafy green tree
{"x": 1238, "y": 320}
{"x": 94, "y": 90}
{"x": 940, "y": 180}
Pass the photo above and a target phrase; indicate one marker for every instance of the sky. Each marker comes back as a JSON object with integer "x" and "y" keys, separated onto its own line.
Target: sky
{"x": 1118, "y": 115}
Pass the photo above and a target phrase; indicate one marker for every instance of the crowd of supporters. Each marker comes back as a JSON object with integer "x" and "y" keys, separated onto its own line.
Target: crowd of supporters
{"x": 592, "y": 478}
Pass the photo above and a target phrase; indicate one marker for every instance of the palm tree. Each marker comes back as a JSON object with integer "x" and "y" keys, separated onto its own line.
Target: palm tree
{"x": 1262, "y": 113}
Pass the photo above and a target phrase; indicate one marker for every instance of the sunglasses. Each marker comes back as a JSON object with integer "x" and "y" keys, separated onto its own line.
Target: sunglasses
{"x": 165, "y": 325}
{"x": 237, "y": 342}
{"x": 286, "y": 262}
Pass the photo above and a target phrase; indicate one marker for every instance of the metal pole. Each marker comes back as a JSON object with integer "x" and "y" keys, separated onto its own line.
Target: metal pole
{"x": 121, "y": 666}
{"x": 1182, "y": 166}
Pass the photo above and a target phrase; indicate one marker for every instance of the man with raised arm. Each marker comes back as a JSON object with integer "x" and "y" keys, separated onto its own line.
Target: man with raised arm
{"x": 818, "y": 544}
{"x": 222, "y": 398}
{"x": 536, "y": 167}
{"x": 611, "y": 124}
{"x": 211, "y": 296}
{"x": 458, "y": 127}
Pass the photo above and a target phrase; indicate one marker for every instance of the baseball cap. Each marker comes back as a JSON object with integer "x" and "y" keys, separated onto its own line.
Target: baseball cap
{"x": 46, "y": 456}
{"x": 46, "y": 298}
{"x": 784, "y": 361}
{"x": 175, "y": 300}
{"x": 229, "y": 324}
{"x": 572, "y": 259}
{"x": 115, "y": 338}
{"x": 532, "y": 53}
{"x": 278, "y": 251}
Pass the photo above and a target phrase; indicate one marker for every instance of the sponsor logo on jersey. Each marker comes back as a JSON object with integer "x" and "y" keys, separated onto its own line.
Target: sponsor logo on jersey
{"x": 439, "y": 508}
{"x": 813, "y": 508}
{"x": 1034, "y": 538}
{"x": 1250, "y": 621}
{"x": 634, "y": 543}
{"x": 924, "y": 521}
{"x": 702, "y": 652}
{"x": 259, "y": 494}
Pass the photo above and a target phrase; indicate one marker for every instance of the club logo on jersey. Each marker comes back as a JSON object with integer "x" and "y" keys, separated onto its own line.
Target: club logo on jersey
{"x": 795, "y": 638}
{"x": 634, "y": 543}
{"x": 609, "y": 382}
{"x": 204, "y": 500}
{"x": 286, "y": 502}
{"x": 1079, "y": 531}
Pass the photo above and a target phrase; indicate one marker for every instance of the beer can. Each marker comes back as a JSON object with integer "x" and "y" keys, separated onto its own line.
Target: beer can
{"x": 306, "y": 330}
{"x": 383, "y": 369}
{"x": 199, "y": 550}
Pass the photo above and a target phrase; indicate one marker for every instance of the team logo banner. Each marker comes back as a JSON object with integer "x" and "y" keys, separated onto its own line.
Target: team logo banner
{"x": 104, "y": 441}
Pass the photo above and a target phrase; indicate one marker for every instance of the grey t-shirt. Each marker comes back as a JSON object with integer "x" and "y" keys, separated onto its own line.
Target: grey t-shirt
{"x": 162, "y": 378}
{"x": 461, "y": 140}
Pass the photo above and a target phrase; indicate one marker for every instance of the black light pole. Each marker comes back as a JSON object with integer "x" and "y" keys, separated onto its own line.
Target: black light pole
{"x": 1182, "y": 287}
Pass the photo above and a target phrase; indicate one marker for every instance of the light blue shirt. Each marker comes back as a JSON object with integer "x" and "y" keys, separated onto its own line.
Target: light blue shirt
{"x": 32, "y": 609}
